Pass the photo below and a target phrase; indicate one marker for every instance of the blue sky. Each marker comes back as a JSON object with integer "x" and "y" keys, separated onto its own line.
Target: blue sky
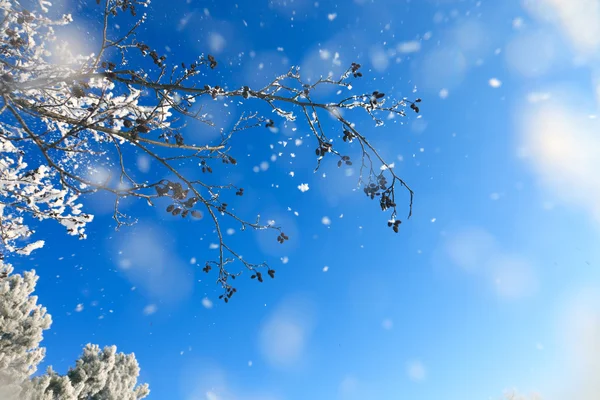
{"x": 493, "y": 284}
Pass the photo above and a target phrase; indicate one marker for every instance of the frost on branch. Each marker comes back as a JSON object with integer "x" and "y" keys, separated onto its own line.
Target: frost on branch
{"x": 26, "y": 191}
{"x": 103, "y": 374}
{"x": 59, "y": 121}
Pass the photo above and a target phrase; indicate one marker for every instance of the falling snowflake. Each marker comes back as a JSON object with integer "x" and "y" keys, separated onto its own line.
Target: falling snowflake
{"x": 517, "y": 23}
{"x": 207, "y": 303}
{"x": 216, "y": 42}
{"x": 150, "y": 309}
{"x": 324, "y": 54}
{"x": 409, "y": 47}
{"x": 495, "y": 83}
{"x": 416, "y": 371}
{"x": 387, "y": 324}
{"x": 303, "y": 187}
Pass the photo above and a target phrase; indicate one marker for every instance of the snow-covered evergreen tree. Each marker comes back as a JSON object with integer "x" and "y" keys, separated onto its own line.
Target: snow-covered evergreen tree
{"x": 98, "y": 373}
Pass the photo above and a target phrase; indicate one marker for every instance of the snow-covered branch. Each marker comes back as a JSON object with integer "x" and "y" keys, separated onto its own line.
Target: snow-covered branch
{"x": 58, "y": 118}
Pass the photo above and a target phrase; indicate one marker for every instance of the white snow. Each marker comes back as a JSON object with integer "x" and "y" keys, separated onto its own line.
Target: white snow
{"x": 216, "y": 42}
{"x": 207, "y": 303}
{"x": 409, "y": 47}
{"x": 303, "y": 187}
{"x": 150, "y": 309}
{"x": 495, "y": 83}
